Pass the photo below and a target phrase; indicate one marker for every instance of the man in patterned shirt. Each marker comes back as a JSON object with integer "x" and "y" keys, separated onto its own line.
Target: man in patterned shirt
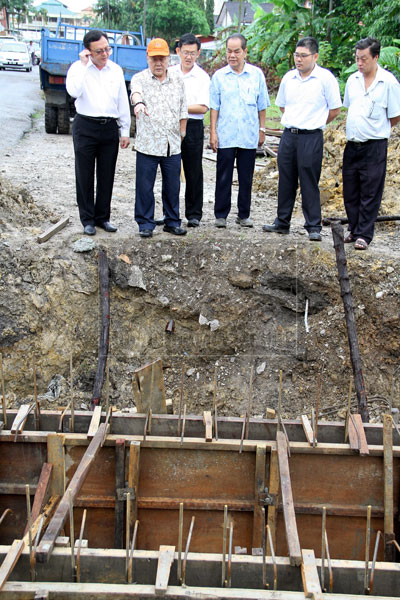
{"x": 159, "y": 101}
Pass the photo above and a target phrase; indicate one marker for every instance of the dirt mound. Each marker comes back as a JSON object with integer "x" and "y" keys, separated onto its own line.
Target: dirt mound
{"x": 18, "y": 208}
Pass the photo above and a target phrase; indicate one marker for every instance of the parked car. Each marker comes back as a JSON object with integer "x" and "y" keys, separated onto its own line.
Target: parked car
{"x": 14, "y": 55}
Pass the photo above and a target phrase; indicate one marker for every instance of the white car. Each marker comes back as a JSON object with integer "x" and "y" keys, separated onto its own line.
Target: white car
{"x": 14, "y": 55}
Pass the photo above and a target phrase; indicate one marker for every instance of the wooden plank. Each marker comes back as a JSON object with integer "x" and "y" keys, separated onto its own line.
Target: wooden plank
{"x": 43, "y": 237}
{"x": 20, "y": 418}
{"x": 133, "y": 477}
{"x": 53, "y": 531}
{"x": 309, "y": 575}
{"x": 41, "y": 492}
{"x": 305, "y": 421}
{"x": 207, "y": 420}
{"x": 273, "y": 490}
{"x": 150, "y": 381}
{"x": 259, "y": 488}
{"x": 95, "y": 422}
{"x": 119, "y": 503}
{"x": 292, "y": 536}
{"x": 353, "y": 435}
{"x": 56, "y": 457}
{"x": 165, "y": 560}
{"x": 362, "y": 440}
{"x": 388, "y": 487}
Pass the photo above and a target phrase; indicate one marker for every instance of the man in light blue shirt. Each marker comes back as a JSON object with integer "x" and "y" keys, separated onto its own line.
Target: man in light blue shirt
{"x": 238, "y": 99}
{"x": 372, "y": 96}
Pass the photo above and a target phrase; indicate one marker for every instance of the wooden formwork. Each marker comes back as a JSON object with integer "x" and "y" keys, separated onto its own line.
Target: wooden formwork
{"x": 255, "y": 509}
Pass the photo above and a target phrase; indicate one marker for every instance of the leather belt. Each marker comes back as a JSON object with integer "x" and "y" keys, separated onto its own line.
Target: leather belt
{"x": 365, "y": 142}
{"x": 99, "y": 120}
{"x": 301, "y": 131}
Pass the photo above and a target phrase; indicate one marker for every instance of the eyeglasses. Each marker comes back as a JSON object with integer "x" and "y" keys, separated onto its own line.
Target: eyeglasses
{"x": 191, "y": 54}
{"x": 107, "y": 50}
{"x": 297, "y": 55}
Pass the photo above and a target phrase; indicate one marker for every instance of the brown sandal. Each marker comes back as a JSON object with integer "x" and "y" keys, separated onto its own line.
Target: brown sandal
{"x": 360, "y": 244}
{"x": 349, "y": 238}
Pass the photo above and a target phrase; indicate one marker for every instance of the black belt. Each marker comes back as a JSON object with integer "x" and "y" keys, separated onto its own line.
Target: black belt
{"x": 301, "y": 131}
{"x": 99, "y": 120}
{"x": 365, "y": 142}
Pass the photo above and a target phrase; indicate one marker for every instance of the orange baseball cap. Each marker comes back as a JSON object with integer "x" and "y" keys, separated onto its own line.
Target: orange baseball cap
{"x": 158, "y": 47}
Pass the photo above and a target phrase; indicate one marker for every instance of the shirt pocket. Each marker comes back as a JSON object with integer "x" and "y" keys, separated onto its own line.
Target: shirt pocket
{"x": 248, "y": 93}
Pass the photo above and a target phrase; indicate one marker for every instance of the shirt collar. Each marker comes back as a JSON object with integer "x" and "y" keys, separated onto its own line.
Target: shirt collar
{"x": 314, "y": 73}
{"x": 245, "y": 69}
{"x": 380, "y": 74}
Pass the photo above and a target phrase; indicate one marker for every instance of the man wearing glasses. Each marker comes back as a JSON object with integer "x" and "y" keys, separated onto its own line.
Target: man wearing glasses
{"x": 309, "y": 98}
{"x": 238, "y": 99}
{"x": 197, "y": 88}
{"x": 159, "y": 104}
{"x": 372, "y": 96}
{"x": 103, "y": 113}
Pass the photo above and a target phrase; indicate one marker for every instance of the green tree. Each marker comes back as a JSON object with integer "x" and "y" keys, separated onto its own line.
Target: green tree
{"x": 171, "y": 18}
{"x": 15, "y": 8}
{"x": 210, "y": 14}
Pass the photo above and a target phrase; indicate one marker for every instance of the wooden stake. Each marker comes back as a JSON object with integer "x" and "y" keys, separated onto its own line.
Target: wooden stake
{"x": 181, "y": 400}
{"x": 3, "y": 392}
{"x": 279, "y": 401}
{"x": 215, "y": 405}
{"x": 183, "y": 424}
{"x": 128, "y": 528}
{"x": 71, "y": 532}
{"x": 180, "y": 538}
{"x": 367, "y": 543}
{"x": 225, "y": 526}
{"x": 249, "y": 401}
{"x": 346, "y": 429}
{"x": 29, "y": 520}
{"x": 388, "y": 487}
{"x": 71, "y": 387}
{"x": 189, "y": 538}
{"x": 337, "y": 234}
{"x": 78, "y": 556}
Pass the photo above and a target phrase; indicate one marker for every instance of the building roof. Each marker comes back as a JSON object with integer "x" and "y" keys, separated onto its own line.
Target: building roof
{"x": 55, "y": 7}
{"x": 232, "y": 9}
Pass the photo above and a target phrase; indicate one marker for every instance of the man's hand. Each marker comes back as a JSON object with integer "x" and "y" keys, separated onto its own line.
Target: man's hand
{"x": 214, "y": 141}
{"x": 140, "y": 108}
{"x": 124, "y": 142}
{"x": 261, "y": 138}
{"x": 84, "y": 56}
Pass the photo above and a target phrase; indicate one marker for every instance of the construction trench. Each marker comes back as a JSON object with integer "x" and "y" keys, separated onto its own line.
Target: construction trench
{"x": 232, "y": 466}
{"x": 104, "y": 504}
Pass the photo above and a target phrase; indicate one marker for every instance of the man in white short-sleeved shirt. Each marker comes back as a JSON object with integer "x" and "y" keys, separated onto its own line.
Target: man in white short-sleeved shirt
{"x": 197, "y": 88}
{"x": 309, "y": 98}
{"x": 372, "y": 96}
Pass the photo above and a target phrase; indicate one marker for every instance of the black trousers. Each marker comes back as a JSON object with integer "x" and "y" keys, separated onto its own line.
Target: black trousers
{"x": 96, "y": 150}
{"x": 245, "y": 161}
{"x": 364, "y": 171}
{"x": 300, "y": 158}
{"x": 192, "y": 159}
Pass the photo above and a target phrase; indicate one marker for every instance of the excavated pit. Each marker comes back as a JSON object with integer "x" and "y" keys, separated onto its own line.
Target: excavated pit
{"x": 234, "y": 299}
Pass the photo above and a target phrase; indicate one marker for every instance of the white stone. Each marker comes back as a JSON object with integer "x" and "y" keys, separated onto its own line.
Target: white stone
{"x": 190, "y": 372}
{"x": 379, "y": 294}
{"x": 203, "y": 320}
{"x": 261, "y": 368}
{"x": 136, "y": 278}
{"x": 163, "y": 300}
{"x": 214, "y": 324}
{"x": 166, "y": 257}
{"x": 389, "y": 270}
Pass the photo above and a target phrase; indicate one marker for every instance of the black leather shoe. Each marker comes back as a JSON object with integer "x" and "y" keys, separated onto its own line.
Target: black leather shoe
{"x": 160, "y": 221}
{"x": 146, "y": 233}
{"x": 89, "y": 230}
{"x": 107, "y": 226}
{"x": 174, "y": 230}
{"x": 193, "y": 223}
{"x": 276, "y": 229}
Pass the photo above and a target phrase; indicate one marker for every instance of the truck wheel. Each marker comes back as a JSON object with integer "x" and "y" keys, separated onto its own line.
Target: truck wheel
{"x": 63, "y": 120}
{"x": 50, "y": 119}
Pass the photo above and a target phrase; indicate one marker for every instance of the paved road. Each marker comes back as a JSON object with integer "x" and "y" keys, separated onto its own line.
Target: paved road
{"x": 20, "y": 97}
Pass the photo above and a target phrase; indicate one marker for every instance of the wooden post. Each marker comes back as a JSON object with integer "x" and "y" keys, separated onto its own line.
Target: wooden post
{"x": 133, "y": 477}
{"x": 55, "y": 456}
{"x": 273, "y": 490}
{"x": 119, "y": 501}
{"x": 259, "y": 488}
{"x": 337, "y": 234}
{"x": 388, "y": 487}
{"x": 104, "y": 328}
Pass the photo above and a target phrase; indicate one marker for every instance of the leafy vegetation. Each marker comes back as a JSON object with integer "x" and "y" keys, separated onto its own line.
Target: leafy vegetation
{"x": 168, "y": 19}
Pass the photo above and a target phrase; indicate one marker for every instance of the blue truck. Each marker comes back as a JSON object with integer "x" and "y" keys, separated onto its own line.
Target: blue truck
{"x": 61, "y": 49}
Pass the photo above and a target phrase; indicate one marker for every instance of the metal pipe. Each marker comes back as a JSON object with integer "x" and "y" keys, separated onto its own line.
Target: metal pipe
{"x": 323, "y": 548}
{"x": 78, "y": 555}
{"x": 224, "y": 545}
{"x": 271, "y": 546}
{"x": 367, "y": 542}
{"x": 371, "y": 580}
{"x": 71, "y": 533}
{"x": 180, "y": 536}
{"x": 187, "y": 550}
{"x": 130, "y": 565}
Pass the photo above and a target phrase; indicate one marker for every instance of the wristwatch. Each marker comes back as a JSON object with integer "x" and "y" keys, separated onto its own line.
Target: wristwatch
{"x": 263, "y": 129}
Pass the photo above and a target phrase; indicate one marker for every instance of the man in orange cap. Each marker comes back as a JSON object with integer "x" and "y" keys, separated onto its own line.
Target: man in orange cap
{"x": 159, "y": 103}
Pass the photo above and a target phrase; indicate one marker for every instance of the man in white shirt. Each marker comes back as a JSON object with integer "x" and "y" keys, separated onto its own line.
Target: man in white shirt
{"x": 309, "y": 98}
{"x": 103, "y": 113}
{"x": 197, "y": 88}
{"x": 372, "y": 96}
